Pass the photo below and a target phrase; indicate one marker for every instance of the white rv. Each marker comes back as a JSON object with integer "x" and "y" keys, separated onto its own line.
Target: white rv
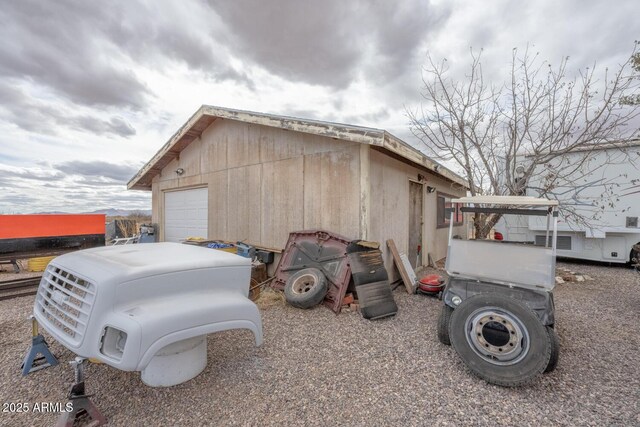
{"x": 602, "y": 185}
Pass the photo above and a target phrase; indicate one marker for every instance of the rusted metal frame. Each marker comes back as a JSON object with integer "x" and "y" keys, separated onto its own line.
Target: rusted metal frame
{"x": 337, "y": 288}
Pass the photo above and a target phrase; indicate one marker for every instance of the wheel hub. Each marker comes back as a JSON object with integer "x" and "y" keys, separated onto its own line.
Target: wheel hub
{"x": 497, "y": 335}
{"x": 303, "y": 284}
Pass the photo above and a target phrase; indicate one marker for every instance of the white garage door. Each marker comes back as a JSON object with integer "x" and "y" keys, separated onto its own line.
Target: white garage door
{"x": 185, "y": 214}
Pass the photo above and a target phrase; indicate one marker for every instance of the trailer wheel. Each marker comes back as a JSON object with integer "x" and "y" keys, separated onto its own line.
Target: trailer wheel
{"x": 306, "y": 288}
{"x": 634, "y": 254}
{"x": 500, "y": 339}
{"x": 443, "y": 324}
{"x": 555, "y": 349}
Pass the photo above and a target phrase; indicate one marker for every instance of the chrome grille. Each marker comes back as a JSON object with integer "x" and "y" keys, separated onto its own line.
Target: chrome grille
{"x": 65, "y": 301}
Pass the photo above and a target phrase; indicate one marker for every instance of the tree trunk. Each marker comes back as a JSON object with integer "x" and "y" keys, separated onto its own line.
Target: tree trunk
{"x": 483, "y": 224}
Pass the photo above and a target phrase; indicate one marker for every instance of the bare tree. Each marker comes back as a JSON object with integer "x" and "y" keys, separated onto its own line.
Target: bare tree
{"x": 634, "y": 98}
{"x": 541, "y": 114}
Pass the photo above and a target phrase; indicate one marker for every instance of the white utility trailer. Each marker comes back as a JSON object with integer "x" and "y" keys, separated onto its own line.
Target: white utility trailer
{"x": 498, "y": 310}
{"x": 605, "y": 189}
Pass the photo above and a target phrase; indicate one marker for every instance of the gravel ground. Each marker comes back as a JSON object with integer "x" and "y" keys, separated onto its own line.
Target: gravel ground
{"x": 316, "y": 368}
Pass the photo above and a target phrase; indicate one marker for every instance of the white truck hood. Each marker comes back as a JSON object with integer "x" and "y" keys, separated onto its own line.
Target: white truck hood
{"x": 131, "y": 262}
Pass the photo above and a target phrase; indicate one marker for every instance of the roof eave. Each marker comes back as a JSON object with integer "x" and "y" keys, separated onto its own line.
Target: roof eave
{"x": 134, "y": 183}
{"x": 398, "y": 146}
{"x": 207, "y": 114}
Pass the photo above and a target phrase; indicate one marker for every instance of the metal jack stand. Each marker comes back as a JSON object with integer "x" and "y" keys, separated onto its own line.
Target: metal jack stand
{"x": 84, "y": 411}
{"x": 32, "y": 362}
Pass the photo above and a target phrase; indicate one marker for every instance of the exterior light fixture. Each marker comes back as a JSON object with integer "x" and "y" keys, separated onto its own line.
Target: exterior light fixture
{"x": 179, "y": 171}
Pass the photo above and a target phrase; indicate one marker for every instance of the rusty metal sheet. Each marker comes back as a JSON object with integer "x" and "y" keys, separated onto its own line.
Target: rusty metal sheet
{"x": 319, "y": 249}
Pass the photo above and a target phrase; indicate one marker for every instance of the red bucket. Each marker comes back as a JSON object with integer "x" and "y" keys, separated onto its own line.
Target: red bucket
{"x": 432, "y": 283}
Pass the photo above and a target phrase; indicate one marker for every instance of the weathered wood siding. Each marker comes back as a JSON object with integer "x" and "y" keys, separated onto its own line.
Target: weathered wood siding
{"x": 389, "y": 207}
{"x": 265, "y": 182}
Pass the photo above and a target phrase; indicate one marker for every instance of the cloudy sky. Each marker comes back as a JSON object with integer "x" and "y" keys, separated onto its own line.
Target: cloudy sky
{"x": 90, "y": 90}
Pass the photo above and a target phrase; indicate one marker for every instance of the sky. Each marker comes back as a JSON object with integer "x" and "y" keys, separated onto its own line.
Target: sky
{"x": 90, "y": 90}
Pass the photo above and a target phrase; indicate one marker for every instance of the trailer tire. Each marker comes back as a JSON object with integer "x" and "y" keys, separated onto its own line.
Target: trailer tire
{"x": 443, "y": 324}
{"x": 555, "y": 350}
{"x": 306, "y": 288}
{"x": 634, "y": 255}
{"x": 500, "y": 339}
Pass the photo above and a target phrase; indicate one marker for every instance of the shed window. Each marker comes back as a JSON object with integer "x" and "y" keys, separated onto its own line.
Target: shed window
{"x": 445, "y": 207}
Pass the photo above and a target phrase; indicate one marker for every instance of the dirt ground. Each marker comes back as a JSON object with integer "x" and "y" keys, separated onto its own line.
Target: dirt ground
{"x": 316, "y": 368}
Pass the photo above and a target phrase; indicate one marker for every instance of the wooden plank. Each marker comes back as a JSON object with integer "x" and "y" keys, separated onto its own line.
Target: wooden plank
{"x": 243, "y": 203}
{"x": 282, "y": 192}
{"x": 265, "y": 248}
{"x": 410, "y": 285}
{"x": 365, "y": 192}
{"x": 332, "y": 184}
{"x": 431, "y": 262}
{"x": 410, "y": 272}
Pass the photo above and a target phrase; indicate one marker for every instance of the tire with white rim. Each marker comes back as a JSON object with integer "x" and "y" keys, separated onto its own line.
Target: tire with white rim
{"x": 500, "y": 339}
{"x": 306, "y": 288}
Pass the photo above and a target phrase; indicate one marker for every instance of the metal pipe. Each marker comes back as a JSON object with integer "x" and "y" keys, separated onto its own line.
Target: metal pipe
{"x": 555, "y": 231}
{"x": 546, "y": 245}
{"x": 34, "y": 326}
{"x": 451, "y": 224}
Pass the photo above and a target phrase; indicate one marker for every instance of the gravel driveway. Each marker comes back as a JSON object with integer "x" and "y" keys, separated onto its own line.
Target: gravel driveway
{"x": 316, "y": 368}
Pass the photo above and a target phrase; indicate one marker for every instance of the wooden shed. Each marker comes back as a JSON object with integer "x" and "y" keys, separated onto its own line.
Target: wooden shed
{"x": 240, "y": 175}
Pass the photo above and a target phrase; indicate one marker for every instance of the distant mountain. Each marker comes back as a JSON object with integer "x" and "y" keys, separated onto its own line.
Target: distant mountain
{"x": 121, "y": 212}
{"x": 50, "y": 213}
{"x": 108, "y": 212}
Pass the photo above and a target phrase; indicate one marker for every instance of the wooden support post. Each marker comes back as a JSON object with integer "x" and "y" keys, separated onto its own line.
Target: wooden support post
{"x": 431, "y": 262}
{"x": 409, "y": 283}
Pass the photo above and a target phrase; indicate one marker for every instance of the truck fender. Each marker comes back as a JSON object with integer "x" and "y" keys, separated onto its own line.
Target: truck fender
{"x": 254, "y": 326}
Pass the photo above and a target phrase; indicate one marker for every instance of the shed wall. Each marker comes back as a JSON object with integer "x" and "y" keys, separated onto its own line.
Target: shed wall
{"x": 389, "y": 207}
{"x": 264, "y": 182}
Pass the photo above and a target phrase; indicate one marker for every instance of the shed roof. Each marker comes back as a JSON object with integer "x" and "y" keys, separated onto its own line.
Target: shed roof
{"x": 207, "y": 114}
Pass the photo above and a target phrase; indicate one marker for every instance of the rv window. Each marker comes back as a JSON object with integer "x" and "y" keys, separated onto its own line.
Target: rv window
{"x": 445, "y": 207}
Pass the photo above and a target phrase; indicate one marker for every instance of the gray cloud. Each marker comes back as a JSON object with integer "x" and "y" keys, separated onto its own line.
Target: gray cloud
{"x": 87, "y": 51}
{"x": 66, "y": 193}
{"x": 327, "y": 42}
{"x": 16, "y": 200}
{"x": 97, "y": 67}
{"x": 115, "y": 125}
{"x": 57, "y": 44}
{"x": 369, "y": 119}
{"x": 120, "y": 173}
{"x": 34, "y": 115}
{"x": 72, "y": 186}
{"x": 31, "y": 174}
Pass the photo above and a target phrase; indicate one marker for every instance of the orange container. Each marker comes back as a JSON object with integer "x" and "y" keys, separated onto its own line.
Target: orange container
{"x": 50, "y": 225}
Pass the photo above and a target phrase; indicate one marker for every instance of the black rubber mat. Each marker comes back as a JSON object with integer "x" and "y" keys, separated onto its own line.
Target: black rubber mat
{"x": 376, "y": 300}
{"x": 371, "y": 280}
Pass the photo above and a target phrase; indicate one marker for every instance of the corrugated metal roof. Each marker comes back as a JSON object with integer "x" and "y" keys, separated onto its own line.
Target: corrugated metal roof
{"x": 207, "y": 114}
{"x": 506, "y": 201}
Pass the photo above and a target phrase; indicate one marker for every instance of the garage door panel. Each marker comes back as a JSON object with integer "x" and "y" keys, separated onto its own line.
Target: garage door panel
{"x": 186, "y": 214}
